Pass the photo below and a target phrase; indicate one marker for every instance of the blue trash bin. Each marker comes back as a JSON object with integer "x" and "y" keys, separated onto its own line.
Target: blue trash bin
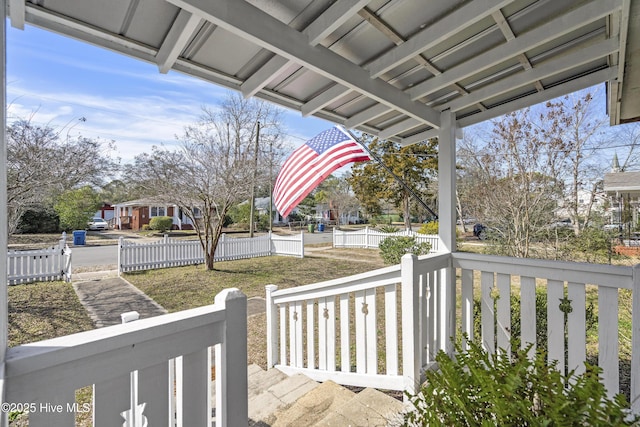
{"x": 79, "y": 237}
{"x": 321, "y": 227}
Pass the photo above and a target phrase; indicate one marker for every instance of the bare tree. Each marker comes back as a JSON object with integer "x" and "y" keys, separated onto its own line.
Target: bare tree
{"x": 41, "y": 165}
{"x": 212, "y": 170}
{"x": 570, "y": 125}
{"x": 509, "y": 183}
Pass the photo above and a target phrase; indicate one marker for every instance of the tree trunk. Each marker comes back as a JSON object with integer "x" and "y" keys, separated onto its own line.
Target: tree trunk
{"x": 407, "y": 211}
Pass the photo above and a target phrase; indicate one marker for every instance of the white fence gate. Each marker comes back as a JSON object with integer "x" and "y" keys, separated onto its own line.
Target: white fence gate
{"x": 368, "y": 238}
{"x": 168, "y": 252}
{"x": 40, "y": 265}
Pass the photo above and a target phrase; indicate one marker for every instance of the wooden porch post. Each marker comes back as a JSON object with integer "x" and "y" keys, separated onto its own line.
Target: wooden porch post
{"x": 447, "y": 223}
{"x": 4, "y": 306}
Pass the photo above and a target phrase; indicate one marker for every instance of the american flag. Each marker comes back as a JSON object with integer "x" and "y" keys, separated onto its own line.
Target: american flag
{"x": 310, "y": 164}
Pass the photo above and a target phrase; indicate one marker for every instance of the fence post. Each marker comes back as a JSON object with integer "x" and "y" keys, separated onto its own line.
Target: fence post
{"x": 120, "y": 242}
{"x": 366, "y": 237}
{"x": 231, "y": 362}
{"x": 165, "y": 249}
{"x": 272, "y": 328}
{"x": 635, "y": 342}
{"x": 302, "y": 244}
{"x": 333, "y": 238}
{"x": 270, "y": 243}
{"x": 411, "y": 327}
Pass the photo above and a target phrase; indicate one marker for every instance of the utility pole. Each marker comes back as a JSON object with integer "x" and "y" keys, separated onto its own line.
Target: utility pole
{"x": 253, "y": 184}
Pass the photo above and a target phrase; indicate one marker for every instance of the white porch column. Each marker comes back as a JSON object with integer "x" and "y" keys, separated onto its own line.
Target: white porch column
{"x": 447, "y": 225}
{"x": 447, "y": 181}
{"x": 4, "y": 305}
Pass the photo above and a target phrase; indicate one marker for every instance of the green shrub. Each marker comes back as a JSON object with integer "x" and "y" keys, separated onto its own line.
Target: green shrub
{"x": 161, "y": 223}
{"x": 478, "y": 389}
{"x": 388, "y": 229}
{"x": 392, "y": 248}
{"x": 430, "y": 227}
{"x": 591, "y": 318}
{"x": 145, "y": 227}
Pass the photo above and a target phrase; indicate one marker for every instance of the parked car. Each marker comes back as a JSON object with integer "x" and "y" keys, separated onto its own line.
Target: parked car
{"x": 97, "y": 224}
{"x": 612, "y": 227}
{"x": 563, "y": 223}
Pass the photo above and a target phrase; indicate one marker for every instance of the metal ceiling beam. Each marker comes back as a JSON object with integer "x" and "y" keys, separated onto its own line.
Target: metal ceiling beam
{"x": 17, "y": 13}
{"x": 398, "y": 127}
{"x": 440, "y": 31}
{"x": 419, "y": 137}
{"x": 325, "y": 98}
{"x": 365, "y": 115}
{"x": 250, "y": 23}
{"x": 508, "y": 34}
{"x": 177, "y": 39}
{"x": 555, "y": 28}
{"x": 542, "y": 71}
{"x": 336, "y": 15}
{"x": 538, "y": 97}
{"x": 60, "y": 24}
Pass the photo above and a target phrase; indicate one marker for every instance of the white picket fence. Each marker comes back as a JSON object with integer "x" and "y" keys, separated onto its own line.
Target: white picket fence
{"x": 368, "y": 238}
{"x": 48, "y": 264}
{"x": 133, "y": 256}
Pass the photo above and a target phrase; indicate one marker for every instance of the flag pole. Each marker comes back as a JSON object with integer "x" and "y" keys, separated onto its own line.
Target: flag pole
{"x": 396, "y": 177}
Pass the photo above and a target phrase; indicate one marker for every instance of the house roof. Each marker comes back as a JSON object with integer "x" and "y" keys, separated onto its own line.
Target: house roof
{"x": 622, "y": 182}
{"x": 148, "y": 201}
{"x": 386, "y": 67}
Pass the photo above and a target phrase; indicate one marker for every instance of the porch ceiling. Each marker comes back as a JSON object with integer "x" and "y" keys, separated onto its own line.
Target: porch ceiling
{"x": 386, "y": 67}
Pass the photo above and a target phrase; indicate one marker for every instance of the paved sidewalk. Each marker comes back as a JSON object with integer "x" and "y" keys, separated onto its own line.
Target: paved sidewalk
{"x": 106, "y": 296}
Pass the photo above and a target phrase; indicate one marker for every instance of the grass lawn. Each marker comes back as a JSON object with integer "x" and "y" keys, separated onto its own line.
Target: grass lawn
{"x": 39, "y": 311}
{"x": 186, "y": 287}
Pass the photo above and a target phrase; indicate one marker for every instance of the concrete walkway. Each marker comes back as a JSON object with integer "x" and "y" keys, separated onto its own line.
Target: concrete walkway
{"x": 106, "y": 296}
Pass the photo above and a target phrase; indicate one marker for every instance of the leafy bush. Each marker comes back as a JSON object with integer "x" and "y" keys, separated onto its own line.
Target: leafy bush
{"x": 392, "y": 248}
{"x": 479, "y": 389}
{"x": 388, "y": 229}
{"x": 161, "y": 223}
{"x": 430, "y": 227}
{"x": 145, "y": 227}
{"x": 39, "y": 219}
{"x": 76, "y": 207}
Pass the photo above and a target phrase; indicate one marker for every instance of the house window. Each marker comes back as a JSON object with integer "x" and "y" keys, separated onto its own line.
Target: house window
{"x": 197, "y": 213}
{"x": 158, "y": 211}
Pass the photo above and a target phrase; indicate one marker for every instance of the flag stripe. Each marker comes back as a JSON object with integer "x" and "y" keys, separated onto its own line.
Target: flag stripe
{"x": 310, "y": 164}
{"x": 302, "y": 174}
{"x": 317, "y": 172}
{"x": 317, "y": 166}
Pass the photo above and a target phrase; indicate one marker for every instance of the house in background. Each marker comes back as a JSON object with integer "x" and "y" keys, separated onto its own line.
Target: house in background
{"x": 624, "y": 189}
{"x": 106, "y": 212}
{"x": 133, "y": 215}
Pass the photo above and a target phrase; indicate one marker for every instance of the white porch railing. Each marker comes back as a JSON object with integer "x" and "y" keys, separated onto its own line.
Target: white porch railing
{"x": 168, "y": 252}
{"x": 362, "y": 311}
{"x": 368, "y": 238}
{"x": 40, "y": 264}
{"x": 47, "y": 374}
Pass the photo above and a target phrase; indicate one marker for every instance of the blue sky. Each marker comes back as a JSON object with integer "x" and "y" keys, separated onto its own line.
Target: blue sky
{"x": 56, "y": 81}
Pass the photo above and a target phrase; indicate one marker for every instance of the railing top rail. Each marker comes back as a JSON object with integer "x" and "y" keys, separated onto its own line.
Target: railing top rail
{"x": 370, "y": 279}
{"x": 361, "y": 281}
{"x": 66, "y": 349}
{"x": 579, "y": 272}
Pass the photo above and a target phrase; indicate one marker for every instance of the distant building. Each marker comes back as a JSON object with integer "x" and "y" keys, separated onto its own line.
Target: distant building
{"x": 622, "y": 188}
